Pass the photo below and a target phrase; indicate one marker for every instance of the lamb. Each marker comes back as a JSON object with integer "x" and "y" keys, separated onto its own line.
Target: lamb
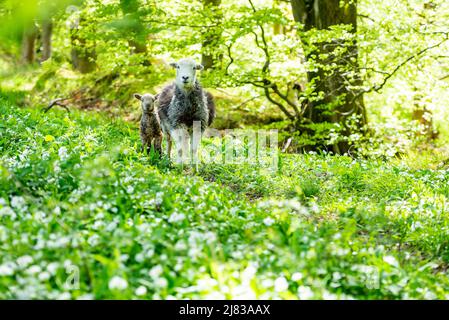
{"x": 150, "y": 130}
{"x": 183, "y": 105}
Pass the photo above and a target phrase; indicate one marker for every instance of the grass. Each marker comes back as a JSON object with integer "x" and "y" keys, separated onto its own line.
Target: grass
{"x": 85, "y": 215}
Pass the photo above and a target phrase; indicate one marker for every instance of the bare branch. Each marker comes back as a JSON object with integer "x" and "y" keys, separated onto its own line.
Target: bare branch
{"x": 285, "y": 98}
{"x": 366, "y": 17}
{"x": 379, "y": 86}
{"x": 231, "y": 59}
{"x": 200, "y": 26}
{"x": 267, "y": 84}
{"x": 57, "y": 102}
{"x": 247, "y": 101}
{"x": 280, "y": 105}
{"x": 399, "y": 66}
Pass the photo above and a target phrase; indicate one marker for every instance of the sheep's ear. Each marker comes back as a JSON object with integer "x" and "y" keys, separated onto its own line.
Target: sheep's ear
{"x": 138, "y": 96}
{"x": 174, "y": 65}
{"x": 199, "y": 67}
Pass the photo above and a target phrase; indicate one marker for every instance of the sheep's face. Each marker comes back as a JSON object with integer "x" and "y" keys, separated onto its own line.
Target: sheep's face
{"x": 186, "y": 73}
{"x": 147, "y": 102}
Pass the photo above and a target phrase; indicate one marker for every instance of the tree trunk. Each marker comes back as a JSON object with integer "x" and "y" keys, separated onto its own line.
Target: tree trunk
{"x": 210, "y": 57}
{"x": 83, "y": 55}
{"x": 47, "y": 30}
{"x": 28, "y": 45}
{"x": 277, "y": 27}
{"x": 137, "y": 31}
{"x": 339, "y": 99}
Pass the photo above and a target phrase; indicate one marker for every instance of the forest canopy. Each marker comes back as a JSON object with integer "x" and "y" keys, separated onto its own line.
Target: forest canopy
{"x": 335, "y": 77}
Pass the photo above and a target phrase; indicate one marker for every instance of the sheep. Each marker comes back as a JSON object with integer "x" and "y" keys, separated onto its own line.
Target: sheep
{"x": 150, "y": 130}
{"x": 183, "y": 105}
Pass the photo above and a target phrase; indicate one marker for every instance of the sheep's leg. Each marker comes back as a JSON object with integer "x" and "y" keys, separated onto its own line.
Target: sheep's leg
{"x": 144, "y": 147}
{"x": 158, "y": 145}
{"x": 168, "y": 138}
{"x": 180, "y": 137}
{"x": 151, "y": 147}
{"x": 195, "y": 141}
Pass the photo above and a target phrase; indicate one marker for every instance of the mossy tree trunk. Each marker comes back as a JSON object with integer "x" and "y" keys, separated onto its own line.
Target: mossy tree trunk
{"x": 340, "y": 98}
{"x": 29, "y": 44}
{"x": 47, "y": 31}
{"x": 136, "y": 29}
{"x": 83, "y": 53}
{"x": 210, "y": 56}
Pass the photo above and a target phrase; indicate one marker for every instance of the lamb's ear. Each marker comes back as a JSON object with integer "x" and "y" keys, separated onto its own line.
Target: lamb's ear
{"x": 138, "y": 96}
{"x": 174, "y": 65}
{"x": 199, "y": 67}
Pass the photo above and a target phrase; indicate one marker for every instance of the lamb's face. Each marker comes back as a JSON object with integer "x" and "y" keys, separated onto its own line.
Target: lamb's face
{"x": 147, "y": 101}
{"x": 186, "y": 73}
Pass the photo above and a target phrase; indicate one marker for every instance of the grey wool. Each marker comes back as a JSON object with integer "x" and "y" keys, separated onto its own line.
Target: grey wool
{"x": 182, "y": 104}
{"x": 180, "y": 108}
{"x": 150, "y": 130}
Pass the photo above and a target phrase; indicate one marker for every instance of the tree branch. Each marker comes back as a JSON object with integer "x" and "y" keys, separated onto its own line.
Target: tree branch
{"x": 379, "y": 86}
{"x": 419, "y": 53}
{"x": 56, "y": 102}
{"x": 231, "y": 59}
{"x": 267, "y": 84}
{"x": 280, "y": 105}
{"x": 247, "y": 101}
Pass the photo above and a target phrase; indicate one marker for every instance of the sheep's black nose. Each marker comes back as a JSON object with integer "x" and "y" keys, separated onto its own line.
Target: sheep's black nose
{"x": 185, "y": 78}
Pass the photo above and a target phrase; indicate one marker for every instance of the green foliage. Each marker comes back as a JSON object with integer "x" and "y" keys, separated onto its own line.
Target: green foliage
{"x": 78, "y": 200}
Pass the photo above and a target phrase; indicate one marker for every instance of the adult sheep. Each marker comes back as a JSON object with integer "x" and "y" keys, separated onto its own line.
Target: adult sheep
{"x": 184, "y": 106}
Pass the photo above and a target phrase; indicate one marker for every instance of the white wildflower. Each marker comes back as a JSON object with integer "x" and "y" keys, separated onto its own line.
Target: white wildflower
{"x": 7, "y": 212}
{"x": 161, "y": 282}
{"x": 52, "y": 267}
{"x": 268, "y": 221}
{"x": 33, "y": 269}
{"x": 24, "y": 261}
{"x": 159, "y": 198}
{"x": 93, "y": 240}
{"x": 118, "y": 283}
{"x": 140, "y": 257}
{"x": 156, "y": 271}
{"x": 297, "y": 276}
{"x": 391, "y": 261}
{"x": 56, "y": 167}
{"x": 17, "y": 202}
{"x": 43, "y": 276}
{"x": 249, "y": 272}
{"x": 64, "y": 296}
{"x": 68, "y": 263}
{"x": 267, "y": 283}
{"x": 180, "y": 245}
{"x": 6, "y": 270}
{"x": 305, "y": 293}
{"x": 280, "y": 284}
{"x": 111, "y": 226}
{"x": 141, "y": 291}
{"x": 176, "y": 217}
{"x": 63, "y": 154}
